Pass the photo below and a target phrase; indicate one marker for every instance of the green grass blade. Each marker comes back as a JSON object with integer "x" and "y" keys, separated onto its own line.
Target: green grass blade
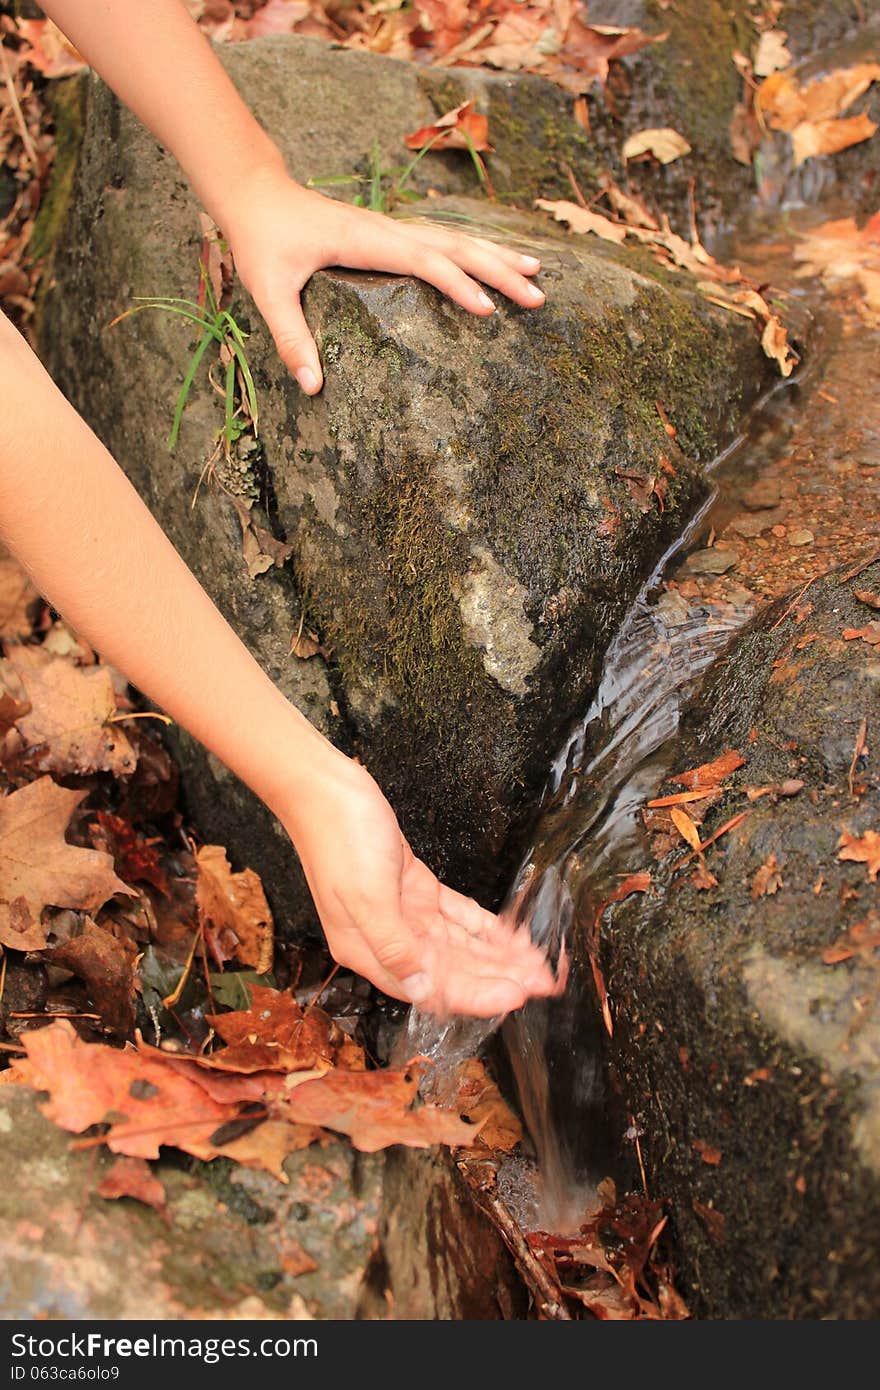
{"x": 230, "y": 402}
{"x": 183, "y": 395}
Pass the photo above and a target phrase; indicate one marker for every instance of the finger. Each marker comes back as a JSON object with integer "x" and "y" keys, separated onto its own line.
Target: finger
{"x": 483, "y": 261}
{"x": 447, "y": 241}
{"x": 386, "y": 247}
{"x": 283, "y": 313}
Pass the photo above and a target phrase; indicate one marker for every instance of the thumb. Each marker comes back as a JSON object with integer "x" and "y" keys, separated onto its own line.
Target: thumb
{"x": 294, "y": 341}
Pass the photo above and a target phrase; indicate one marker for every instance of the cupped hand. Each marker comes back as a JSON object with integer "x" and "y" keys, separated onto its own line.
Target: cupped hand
{"x": 281, "y": 233}
{"x": 386, "y": 916}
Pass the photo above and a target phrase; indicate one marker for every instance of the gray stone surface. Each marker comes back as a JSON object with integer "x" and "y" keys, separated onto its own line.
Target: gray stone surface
{"x": 388, "y": 1235}
{"x": 731, "y": 1031}
{"x": 469, "y": 502}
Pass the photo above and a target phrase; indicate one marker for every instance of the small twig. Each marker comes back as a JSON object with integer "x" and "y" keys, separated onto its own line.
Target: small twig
{"x": 139, "y": 714}
{"x": 632, "y": 1120}
{"x": 862, "y": 565}
{"x": 23, "y": 131}
{"x": 860, "y": 748}
{"x": 326, "y": 985}
{"x": 722, "y": 830}
{"x": 575, "y": 186}
{"x": 62, "y": 1013}
{"x": 795, "y": 601}
{"x": 3, "y": 974}
{"x": 692, "y": 213}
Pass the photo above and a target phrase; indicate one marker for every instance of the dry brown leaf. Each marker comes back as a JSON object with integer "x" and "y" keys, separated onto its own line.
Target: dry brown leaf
{"x": 663, "y": 143}
{"x": 69, "y": 728}
{"x": 708, "y": 1152}
{"x": 771, "y": 54}
{"x": 870, "y": 633}
{"x": 863, "y": 849}
{"x": 582, "y": 219}
{"x": 811, "y": 138}
{"x": 783, "y": 103}
{"x": 460, "y": 129}
{"x": 235, "y": 915}
{"x": 702, "y": 878}
{"x": 843, "y": 253}
{"x": 768, "y": 879}
{"x": 774, "y": 341}
{"x": 867, "y": 596}
{"x": 708, "y": 775}
{"x": 683, "y": 798}
{"x": 259, "y": 547}
{"x": 133, "y": 1177}
{"x": 39, "y": 869}
{"x": 275, "y": 1034}
{"x": 685, "y": 826}
{"x": 17, "y": 599}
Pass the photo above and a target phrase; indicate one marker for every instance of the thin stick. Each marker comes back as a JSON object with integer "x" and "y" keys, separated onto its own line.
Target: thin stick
{"x": 795, "y": 601}
{"x": 860, "y": 748}
{"x": 23, "y": 131}
{"x": 862, "y": 565}
{"x": 728, "y": 825}
{"x": 575, "y": 186}
{"x": 632, "y": 1120}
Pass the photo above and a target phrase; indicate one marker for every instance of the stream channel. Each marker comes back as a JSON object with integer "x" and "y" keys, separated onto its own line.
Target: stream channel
{"x": 588, "y": 832}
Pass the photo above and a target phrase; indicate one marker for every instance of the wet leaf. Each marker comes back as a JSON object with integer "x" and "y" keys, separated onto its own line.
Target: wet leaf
{"x": 702, "y": 878}
{"x": 460, "y": 129}
{"x": 477, "y": 1098}
{"x": 870, "y": 634}
{"x": 709, "y": 1153}
{"x": 235, "y": 915}
{"x": 862, "y": 939}
{"x": 685, "y": 827}
{"x": 376, "y": 1109}
{"x": 106, "y": 965}
{"x": 684, "y": 798}
{"x": 663, "y": 143}
{"x": 768, "y": 879}
{"x": 708, "y": 775}
{"x": 863, "y": 849}
{"x": 275, "y": 1034}
{"x": 136, "y": 856}
{"x": 39, "y": 869}
{"x": 69, "y": 728}
{"x": 133, "y": 1177}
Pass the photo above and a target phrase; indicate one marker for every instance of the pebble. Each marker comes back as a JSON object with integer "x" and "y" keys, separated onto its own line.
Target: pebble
{"x": 762, "y": 495}
{"x": 712, "y": 561}
{"x": 800, "y": 537}
{"x": 751, "y": 526}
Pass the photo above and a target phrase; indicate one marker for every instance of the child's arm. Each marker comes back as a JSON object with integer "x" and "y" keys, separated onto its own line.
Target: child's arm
{"x": 91, "y": 546}
{"x": 156, "y": 60}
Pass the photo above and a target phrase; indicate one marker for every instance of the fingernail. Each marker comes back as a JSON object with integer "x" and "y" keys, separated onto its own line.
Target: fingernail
{"x": 419, "y": 987}
{"x": 307, "y": 380}
{"x": 531, "y": 262}
{"x": 535, "y": 295}
{"x": 484, "y": 301}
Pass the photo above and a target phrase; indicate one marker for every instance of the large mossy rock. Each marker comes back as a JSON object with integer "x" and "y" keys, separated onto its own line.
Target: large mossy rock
{"x": 752, "y": 1064}
{"x": 471, "y": 504}
{"x": 389, "y": 1235}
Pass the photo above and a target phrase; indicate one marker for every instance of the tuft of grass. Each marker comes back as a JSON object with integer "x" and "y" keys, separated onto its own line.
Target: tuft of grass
{"x": 384, "y": 189}
{"x": 217, "y": 325}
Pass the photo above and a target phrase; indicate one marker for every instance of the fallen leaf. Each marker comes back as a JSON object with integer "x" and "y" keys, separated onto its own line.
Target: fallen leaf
{"x": 702, "y": 878}
{"x": 133, "y": 1177}
{"x": 582, "y": 219}
{"x": 663, "y": 143}
{"x": 305, "y": 645}
{"x": 845, "y": 254}
{"x": 684, "y": 798}
{"x": 771, "y": 54}
{"x": 811, "y": 138}
{"x": 768, "y": 879}
{"x": 376, "y": 1109}
{"x": 18, "y": 598}
{"x": 774, "y": 341}
{"x": 69, "y": 728}
{"x": 708, "y": 775}
{"x": 685, "y": 827}
{"x": 633, "y": 883}
{"x": 783, "y": 103}
{"x": 275, "y": 1034}
{"x": 476, "y": 1097}
{"x": 135, "y": 855}
{"x": 870, "y": 633}
{"x": 630, "y": 208}
{"x": 39, "y": 869}
{"x": 714, "y": 1221}
{"x": 259, "y": 547}
{"x": 868, "y": 597}
{"x": 106, "y": 965}
{"x": 47, "y": 49}
{"x": 708, "y": 1152}
{"x": 862, "y": 939}
{"x": 864, "y": 849}
{"x": 235, "y": 915}
{"x": 460, "y": 129}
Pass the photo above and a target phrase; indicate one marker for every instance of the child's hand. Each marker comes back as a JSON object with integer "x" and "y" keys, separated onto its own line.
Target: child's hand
{"x": 386, "y": 916}
{"x": 281, "y": 234}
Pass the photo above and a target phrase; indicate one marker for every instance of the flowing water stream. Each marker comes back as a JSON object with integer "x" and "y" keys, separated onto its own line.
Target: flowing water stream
{"x": 587, "y": 832}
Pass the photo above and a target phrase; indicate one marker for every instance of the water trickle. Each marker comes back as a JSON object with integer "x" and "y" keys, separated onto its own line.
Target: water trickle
{"x": 587, "y": 832}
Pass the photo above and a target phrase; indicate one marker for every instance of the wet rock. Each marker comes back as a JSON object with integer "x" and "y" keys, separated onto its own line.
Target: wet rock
{"x": 800, "y": 536}
{"x": 232, "y": 1243}
{"x": 465, "y": 499}
{"x": 747, "y": 1019}
{"x": 749, "y": 526}
{"x": 765, "y": 493}
{"x": 714, "y": 560}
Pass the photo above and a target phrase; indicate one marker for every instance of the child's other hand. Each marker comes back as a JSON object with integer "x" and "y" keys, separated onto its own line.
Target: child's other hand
{"x": 281, "y": 233}
{"x": 386, "y": 916}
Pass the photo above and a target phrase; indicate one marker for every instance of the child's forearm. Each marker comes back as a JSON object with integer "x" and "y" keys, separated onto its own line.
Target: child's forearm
{"x": 93, "y": 549}
{"x": 157, "y": 61}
